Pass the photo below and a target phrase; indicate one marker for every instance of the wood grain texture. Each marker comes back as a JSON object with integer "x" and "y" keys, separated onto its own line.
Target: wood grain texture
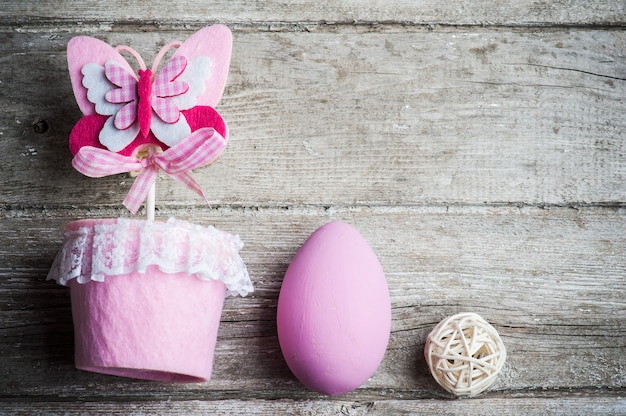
{"x": 480, "y": 147}
{"x": 275, "y": 13}
{"x": 401, "y": 119}
{"x": 566, "y": 406}
{"x": 558, "y": 275}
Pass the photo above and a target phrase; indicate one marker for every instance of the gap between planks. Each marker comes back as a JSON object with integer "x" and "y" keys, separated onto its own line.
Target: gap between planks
{"x": 363, "y": 394}
{"x": 167, "y": 210}
{"x": 44, "y": 25}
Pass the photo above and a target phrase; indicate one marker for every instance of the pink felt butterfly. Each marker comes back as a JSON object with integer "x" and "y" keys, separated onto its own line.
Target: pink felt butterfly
{"x": 123, "y": 110}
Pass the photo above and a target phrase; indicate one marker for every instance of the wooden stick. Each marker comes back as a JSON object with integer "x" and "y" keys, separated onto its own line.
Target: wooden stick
{"x": 150, "y": 202}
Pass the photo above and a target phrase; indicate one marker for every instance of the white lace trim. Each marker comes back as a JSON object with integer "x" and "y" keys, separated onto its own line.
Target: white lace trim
{"x": 110, "y": 249}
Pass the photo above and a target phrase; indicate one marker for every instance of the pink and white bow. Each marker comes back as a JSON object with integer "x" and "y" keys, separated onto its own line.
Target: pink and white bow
{"x": 199, "y": 149}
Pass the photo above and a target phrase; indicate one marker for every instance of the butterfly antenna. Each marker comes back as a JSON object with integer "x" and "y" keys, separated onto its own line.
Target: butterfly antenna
{"x": 162, "y": 52}
{"x": 138, "y": 58}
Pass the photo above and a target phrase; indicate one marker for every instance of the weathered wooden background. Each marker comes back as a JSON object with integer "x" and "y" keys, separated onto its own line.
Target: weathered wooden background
{"x": 479, "y": 146}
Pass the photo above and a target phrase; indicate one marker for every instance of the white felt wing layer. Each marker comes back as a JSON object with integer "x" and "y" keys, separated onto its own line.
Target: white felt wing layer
{"x": 170, "y": 134}
{"x": 196, "y": 74}
{"x": 115, "y": 139}
{"x": 97, "y": 85}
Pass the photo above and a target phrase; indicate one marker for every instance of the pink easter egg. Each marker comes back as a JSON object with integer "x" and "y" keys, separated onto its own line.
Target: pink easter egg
{"x": 334, "y": 311}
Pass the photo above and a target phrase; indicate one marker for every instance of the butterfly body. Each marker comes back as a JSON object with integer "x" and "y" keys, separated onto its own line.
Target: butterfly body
{"x": 144, "y": 106}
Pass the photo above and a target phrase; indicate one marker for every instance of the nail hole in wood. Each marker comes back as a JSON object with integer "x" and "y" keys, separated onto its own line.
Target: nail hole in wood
{"x": 40, "y": 126}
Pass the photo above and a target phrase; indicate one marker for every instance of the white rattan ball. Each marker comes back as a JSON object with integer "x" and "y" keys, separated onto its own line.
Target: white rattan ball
{"x": 464, "y": 354}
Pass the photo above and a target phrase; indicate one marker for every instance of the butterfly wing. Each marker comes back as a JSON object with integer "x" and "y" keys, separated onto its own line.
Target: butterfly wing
{"x": 104, "y": 84}
{"x": 113, "y": 91}
{"x": 167, "y": 86}
{"x": 193, "y": 79}
{"x": 208, "y": 52}
{"x": 85, "y": 50}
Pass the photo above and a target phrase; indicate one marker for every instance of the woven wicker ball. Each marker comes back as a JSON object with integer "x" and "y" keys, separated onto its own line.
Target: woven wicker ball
{"x": 464, "y": 354}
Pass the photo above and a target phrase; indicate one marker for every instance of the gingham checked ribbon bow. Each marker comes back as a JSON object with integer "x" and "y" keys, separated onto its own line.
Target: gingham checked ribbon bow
{"x": 199, "y": 149}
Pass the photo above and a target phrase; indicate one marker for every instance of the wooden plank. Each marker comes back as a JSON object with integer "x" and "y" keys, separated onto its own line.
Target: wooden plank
{"x": 551, "y": 281}
{"x": 479, "y": 146}
{"x": 306, "y": 12}
{"x": 450, "y": 116}
{"x": 596, "y": 405}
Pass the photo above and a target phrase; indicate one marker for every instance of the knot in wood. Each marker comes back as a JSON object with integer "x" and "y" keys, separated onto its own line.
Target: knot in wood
{"x": 465, "y": 354}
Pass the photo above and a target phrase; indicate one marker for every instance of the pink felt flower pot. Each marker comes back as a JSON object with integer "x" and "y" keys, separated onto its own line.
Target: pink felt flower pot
{"x": 147, "y": 296}
{"x": 155, "y": 326}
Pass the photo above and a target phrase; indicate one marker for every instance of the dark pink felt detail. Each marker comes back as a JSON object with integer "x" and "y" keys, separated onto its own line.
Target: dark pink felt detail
{"x": 205, "y": 116}
{"x": 144, "y": 110}
{"x": 86, "y": 131}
